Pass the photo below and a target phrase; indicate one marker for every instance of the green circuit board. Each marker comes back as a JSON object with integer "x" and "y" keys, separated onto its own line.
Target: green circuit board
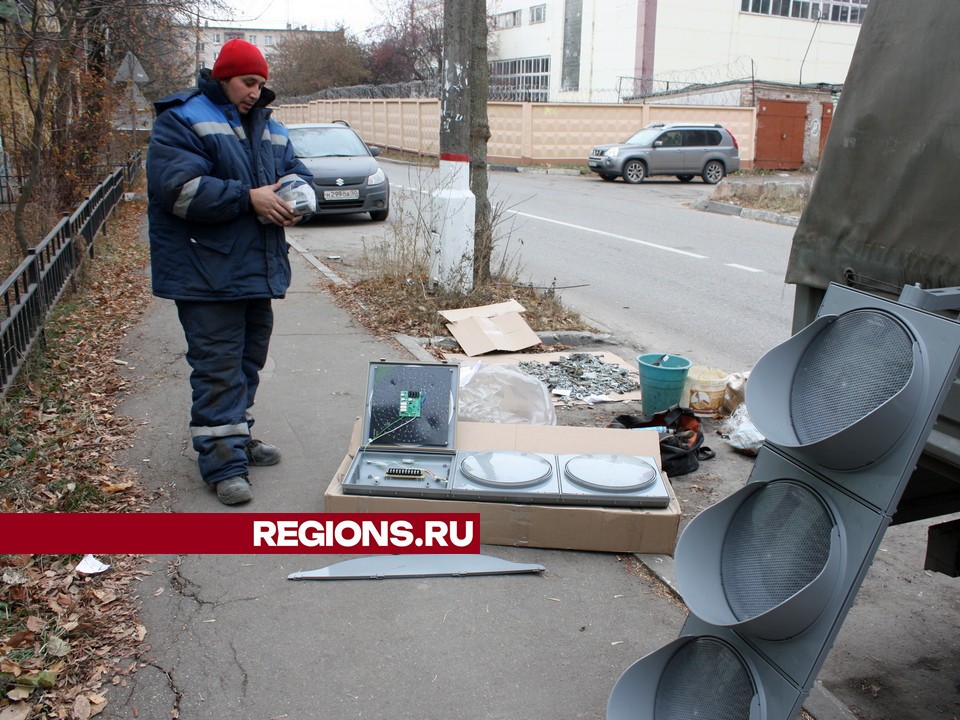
{"x": 411, "y": 403}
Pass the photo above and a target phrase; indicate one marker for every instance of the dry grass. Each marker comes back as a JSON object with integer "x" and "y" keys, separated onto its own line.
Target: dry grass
{"x": 761, "y": 190}
{"x": 790, "y": 205}
{"x": 387, "y": 306}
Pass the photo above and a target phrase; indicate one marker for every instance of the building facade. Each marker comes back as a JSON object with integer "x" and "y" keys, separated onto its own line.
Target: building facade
{"x": 622, "y": 50}
{"x": 203, "y": 42}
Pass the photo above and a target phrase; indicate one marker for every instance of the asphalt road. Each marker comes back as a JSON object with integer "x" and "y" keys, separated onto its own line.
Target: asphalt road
{"x": 637, "y": 262}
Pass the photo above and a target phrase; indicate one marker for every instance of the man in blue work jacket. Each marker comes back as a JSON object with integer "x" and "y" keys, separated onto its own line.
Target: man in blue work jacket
{"x": 218, "y": 249}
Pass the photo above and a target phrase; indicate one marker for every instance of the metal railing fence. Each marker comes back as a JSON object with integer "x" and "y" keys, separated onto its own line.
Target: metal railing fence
{"x": 34, "y": 287}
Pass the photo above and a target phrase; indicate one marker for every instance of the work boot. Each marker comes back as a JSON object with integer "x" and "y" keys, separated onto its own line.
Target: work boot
{"x": 259, "y": 454}
{"x": 234, "y": 490}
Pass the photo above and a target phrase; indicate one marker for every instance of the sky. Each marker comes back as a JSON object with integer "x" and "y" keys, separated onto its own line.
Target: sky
{"x": 355, "y": 15}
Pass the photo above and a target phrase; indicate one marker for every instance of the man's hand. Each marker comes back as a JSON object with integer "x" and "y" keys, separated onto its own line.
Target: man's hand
{"x": 267, "y": 204}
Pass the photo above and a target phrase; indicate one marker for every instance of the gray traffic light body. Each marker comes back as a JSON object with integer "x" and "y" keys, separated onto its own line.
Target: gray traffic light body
{"x": 769, "y": 573}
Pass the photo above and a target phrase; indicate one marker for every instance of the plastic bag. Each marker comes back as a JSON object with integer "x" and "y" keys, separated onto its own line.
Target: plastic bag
{"x": 741, "y": 433}
{"x": 297, "y": 194}
{"x": 502, "y": 393}
{"x": 733, "y": 394}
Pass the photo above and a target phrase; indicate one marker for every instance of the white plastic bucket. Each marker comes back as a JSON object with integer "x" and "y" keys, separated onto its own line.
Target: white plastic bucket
{"x": 703, "y": 391}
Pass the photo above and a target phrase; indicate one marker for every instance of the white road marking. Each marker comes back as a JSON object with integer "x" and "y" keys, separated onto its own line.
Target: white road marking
{"x": 612, "y": 235}
{"x": 656, "y": 246}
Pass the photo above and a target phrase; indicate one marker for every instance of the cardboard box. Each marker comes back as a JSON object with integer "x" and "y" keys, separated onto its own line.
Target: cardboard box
{"x": 565, "y": 527}
{"x": 484, "y": 329}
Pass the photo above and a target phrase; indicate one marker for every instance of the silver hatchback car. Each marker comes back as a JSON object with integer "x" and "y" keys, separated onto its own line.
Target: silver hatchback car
{"x": 680, "y": 149}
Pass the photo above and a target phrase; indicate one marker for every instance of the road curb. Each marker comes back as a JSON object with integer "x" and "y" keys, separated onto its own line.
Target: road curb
{"x": 722, "y": 208}
{"x": 312, "y": 259}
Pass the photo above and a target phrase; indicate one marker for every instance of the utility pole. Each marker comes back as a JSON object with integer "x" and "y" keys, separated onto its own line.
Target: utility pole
{"x": 454, "y": 205}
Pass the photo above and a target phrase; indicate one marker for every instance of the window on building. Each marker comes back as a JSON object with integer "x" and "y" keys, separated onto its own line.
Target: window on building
{"x": 839, "y": 11}
{"x": 507, "y": 20}
{"x": 520, "y": 80}
{"x": 538, "y": 14}
{"x": 216, "y": 37}
{"x": 252, "y": 39}
{"x": 268, "y": 40}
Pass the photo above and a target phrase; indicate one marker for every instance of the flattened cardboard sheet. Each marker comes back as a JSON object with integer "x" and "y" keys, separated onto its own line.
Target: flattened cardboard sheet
{"x": 488, "y": 328}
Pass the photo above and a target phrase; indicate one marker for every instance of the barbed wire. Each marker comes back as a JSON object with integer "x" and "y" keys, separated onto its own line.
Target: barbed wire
{"x": 514, "y": 88}
{"x": 413, "y": 89}
{"x": 740, "y": 70}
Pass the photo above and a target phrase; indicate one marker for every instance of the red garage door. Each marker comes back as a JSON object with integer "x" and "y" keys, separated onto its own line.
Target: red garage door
{"x": 780, "y": 127}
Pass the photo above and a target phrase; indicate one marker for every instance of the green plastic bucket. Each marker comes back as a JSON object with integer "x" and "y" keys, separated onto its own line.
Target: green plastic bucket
{"x": 662, "y": 378}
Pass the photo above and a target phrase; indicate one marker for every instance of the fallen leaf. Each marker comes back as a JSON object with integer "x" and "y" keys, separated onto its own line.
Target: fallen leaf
{"x": 20, "y": 692}
{"x": 35, "y": 624}
{"x": 81, "y": 708}
{"x": 105, "y": 596}
{"x": 17, "y": 711}
{"x": 57, "y": 647}
{"x": 47, "y": 678}
{"x": 116, "y": 487}
{"x": 21, "y": 638}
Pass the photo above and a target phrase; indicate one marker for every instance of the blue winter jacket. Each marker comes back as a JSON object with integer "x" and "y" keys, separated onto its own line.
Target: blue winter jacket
{"x": 206, "y": 242}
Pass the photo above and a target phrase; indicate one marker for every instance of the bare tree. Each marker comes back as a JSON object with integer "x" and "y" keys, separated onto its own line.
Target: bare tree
{"x": 59, "y": 58}
{"x": 312, "y": 60}
{"x": 409, "y": 41}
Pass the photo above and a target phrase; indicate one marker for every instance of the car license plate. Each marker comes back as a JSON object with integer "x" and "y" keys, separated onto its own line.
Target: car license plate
{"x": 594, "y": 163}
{"x": 341, "y": 194}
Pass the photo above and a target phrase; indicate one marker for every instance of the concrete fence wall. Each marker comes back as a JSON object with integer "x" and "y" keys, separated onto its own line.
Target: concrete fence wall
{"x": 522, "y": 133}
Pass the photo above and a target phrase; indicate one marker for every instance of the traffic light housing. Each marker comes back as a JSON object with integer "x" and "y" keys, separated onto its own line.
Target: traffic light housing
{"x": 769, "y": 573}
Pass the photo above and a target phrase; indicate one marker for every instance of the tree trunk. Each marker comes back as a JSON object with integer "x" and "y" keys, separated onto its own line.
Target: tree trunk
{"x": 479, "y": 135}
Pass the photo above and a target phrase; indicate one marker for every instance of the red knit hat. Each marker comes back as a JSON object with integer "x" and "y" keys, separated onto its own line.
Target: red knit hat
{"x": 238, "y": 57}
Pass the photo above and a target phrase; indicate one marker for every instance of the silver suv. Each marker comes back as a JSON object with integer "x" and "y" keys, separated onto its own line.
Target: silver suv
{"x": 680, "y": 149}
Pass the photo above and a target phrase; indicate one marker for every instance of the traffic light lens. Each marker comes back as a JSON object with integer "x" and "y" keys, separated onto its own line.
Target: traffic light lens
{"x": 777, "y": 544}
{"x": 705, "y": 679}
{"x": 849, "y": 370}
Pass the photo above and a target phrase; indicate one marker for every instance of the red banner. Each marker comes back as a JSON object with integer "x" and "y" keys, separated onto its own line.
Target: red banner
{"x": 238, "y": 533}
